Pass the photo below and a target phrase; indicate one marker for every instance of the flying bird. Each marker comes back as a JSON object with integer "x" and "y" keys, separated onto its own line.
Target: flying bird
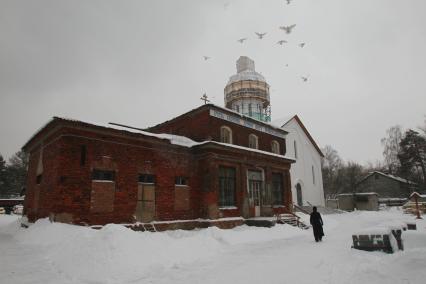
{"x": 287, "y": 29}
{"x": 206, "y": 58}
{"x": 260, "y": 35}
{"x": 302, "y": 44}
{"x": 241, "y": 40}
{"x": 288, "y": 1}
{"x": 281, "y": 42}
{"x": 304, "y": 78}
{"x": 286, "y": 65}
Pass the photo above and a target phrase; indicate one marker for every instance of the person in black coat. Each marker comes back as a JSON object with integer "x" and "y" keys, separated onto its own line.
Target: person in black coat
{"x": 316, "y": 222}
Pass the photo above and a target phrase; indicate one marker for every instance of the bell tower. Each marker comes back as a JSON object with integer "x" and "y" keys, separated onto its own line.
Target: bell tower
{"x": 247, "y": 92}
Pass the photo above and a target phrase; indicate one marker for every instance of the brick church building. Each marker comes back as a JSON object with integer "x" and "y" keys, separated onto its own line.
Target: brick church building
{"x": 209, "y": 166}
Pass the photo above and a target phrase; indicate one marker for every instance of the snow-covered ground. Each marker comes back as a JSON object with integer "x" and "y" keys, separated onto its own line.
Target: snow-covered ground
{"x": 58, "y": 253}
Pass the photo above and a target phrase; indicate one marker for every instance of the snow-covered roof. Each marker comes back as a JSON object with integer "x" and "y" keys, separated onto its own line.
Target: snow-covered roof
{"x": 173, "y": 139}
{"x": 399, "y": 179}
{"x": 12, "y": 199}
{"x": 187, "y": 142}
{"x": 418, "y": 194}
{"x": 246, "y": 71}
{"x": 249, "y": 75}
{"x": 382, "y": 230}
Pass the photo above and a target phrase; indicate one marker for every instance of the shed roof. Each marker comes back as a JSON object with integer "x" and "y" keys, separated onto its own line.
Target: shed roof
{"x": 399, "y": 179}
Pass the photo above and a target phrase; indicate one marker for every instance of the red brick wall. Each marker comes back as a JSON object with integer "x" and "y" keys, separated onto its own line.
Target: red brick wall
{"x": 65, "y": 192}
{"x": 200, "y": 126}
{"x": 67, "y": 186}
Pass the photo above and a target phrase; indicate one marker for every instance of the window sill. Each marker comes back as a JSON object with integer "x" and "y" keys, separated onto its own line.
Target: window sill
{"x": 101, "y": 180}
{"x": 181, "y": 185}
{"x": 228, "y": 208}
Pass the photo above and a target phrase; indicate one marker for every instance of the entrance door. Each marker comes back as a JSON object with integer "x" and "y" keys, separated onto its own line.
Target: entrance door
{"x": 255, "y": 182}
{"x": 145, "y": 206}
{"x": 299, "y": 194}
{"x": 254, "y": 191}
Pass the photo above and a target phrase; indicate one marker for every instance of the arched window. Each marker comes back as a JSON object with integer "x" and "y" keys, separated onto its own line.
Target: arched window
{"x": 250, "y": 110}
{"x": 275, "y": 146}
{"x": 253, "y": 141}
{"x": 225, "y": 135}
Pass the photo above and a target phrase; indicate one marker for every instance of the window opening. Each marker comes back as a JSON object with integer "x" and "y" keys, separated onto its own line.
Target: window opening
{"x": 181, "y": 180}
{"x": 146, "y": 178}
{"x": 253, "y": 141}
{"x": 103, "y": 175}
{"x": 226, "y": 187}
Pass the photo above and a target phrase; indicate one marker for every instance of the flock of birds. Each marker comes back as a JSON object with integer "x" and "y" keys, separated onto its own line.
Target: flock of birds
{"x": 260, "y": 36}
{"x": 287, "y": 30}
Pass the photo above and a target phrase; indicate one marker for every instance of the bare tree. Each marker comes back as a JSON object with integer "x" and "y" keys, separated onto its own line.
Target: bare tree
{"x": 331, "y": 164}
{"x": 391, "y": 148}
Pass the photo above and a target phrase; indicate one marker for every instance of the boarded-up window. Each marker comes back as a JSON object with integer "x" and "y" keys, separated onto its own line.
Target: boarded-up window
{"x": 181, "y": 198}
{"x": 145, "y": 206}
{"x": 102, "y": 197}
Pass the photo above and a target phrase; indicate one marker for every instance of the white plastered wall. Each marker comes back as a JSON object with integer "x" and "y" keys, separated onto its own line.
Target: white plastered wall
{"x": 301, "y": 170}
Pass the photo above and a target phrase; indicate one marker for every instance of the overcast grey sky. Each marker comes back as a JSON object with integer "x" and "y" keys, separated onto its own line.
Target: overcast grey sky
{"x": 141, "y": 62}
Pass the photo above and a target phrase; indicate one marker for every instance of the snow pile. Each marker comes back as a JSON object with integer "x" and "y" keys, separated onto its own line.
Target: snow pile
{"x": 115, "y": 253}
{"x": 59, "y": 253}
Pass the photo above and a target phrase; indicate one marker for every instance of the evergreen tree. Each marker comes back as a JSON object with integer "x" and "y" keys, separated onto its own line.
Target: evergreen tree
{"x": 412, "y": 156}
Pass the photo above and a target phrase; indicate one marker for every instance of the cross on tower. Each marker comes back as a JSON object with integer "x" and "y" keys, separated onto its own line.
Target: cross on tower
{"x": 205, "y": 98}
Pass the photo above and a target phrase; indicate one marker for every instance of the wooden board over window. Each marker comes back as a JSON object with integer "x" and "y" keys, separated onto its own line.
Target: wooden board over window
{"x": 181, "y": 198}
{"x": 145, "y": 206}
{"x": 102, "y": 197}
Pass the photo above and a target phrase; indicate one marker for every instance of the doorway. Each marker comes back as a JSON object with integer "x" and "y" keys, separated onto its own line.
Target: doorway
{"x": 145, "y": 206}
{"x": 255, "y": 182}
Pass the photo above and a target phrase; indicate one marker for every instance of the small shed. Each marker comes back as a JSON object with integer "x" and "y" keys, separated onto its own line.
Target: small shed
{"x": 368, "y": 201}
{"x": 386, "y": 185}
